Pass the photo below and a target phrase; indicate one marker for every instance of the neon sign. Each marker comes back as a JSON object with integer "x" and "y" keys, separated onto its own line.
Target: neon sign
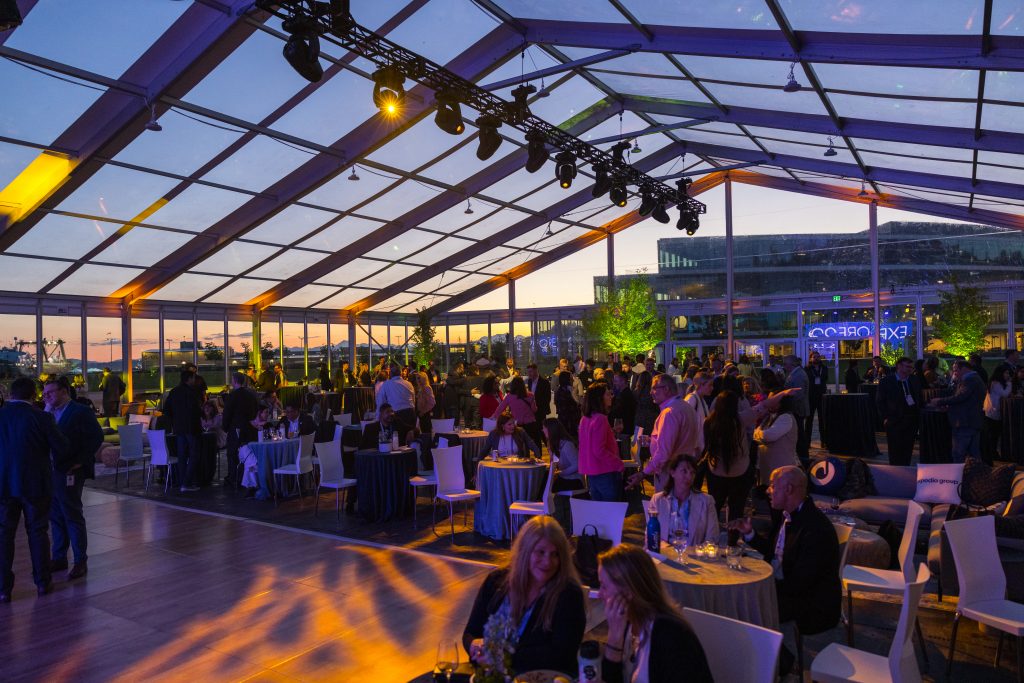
{"x": 887, "y": 331}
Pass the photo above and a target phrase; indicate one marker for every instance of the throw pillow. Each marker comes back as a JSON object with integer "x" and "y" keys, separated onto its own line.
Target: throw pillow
{"x": 939, "y": 483}
{"x": 985, "y": 485}
{"x": 827, "y": 476}
{"x": 859, "y": 481}
{"x": 1014, "y": 507}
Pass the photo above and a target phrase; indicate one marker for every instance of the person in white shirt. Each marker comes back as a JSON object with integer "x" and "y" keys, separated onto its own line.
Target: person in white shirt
{"x": 400, "y": 395}
{"x": 701, "y": 388}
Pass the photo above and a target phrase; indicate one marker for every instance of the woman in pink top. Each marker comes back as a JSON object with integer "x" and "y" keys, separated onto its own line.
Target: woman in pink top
{"x": 599, "y": 452}
{"x": 523, "y": 407}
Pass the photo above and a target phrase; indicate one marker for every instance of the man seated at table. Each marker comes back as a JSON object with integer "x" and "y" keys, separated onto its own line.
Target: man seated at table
{"x": 388, "y": 425}
{"x": 804, "y": 553}
{"x": 296, "y": 423}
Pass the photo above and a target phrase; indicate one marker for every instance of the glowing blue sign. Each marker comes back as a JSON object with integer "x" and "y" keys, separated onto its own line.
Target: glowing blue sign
{"x": 887, "y": 332}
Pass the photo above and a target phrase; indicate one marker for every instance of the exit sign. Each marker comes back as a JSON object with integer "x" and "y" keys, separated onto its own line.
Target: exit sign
{"x": 836, "y": 298}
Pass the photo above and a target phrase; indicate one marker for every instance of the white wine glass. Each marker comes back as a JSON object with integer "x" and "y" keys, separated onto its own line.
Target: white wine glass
{"x": 678, "y": 538}
{"x": 447, "y": 658}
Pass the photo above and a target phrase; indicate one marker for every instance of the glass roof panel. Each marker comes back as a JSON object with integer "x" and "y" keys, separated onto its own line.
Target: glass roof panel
{"x": 913, "y": 150}
{"x": 562, "y": 11}
{"x": 639, "y": 63}
{"x": 183, "y": 146}
{"x": 235, "y": 258}
{"x": 721, "y": 139}
{"x": 346, "y": 298}
{"x": 142, "y": 247}
{"x": 420, "y": 303}
{"x": 341, "y": 103}
{"x": 460, "y": 22}
{"x": 482, "y": 260}
{"x": 259, "y": 164}
{"x": 952, "y": 198}
{"x": 843, "y": 154}
{"x": 464, "y": 283}
{"x": 399, "y": 201}
{"x": 117, "y": 193}
{"x": 442, "y": 249}
{"x": 517, "y": 184}
{"x": 505, "y": 264}
{"x": 28, "y": 274}
{"x": 342, "y": 194}
{"x": 805, "y": 101}
{"x": 756, "y": 71}
{"x": 493, "y": 223}
{"x": 535, "y": 238}
{"x": 1005, "y": 85}
{"x": 923, "y": 112}
{"x": 1000, "y": 117}
{"x": 953, "y": 169}
{"x": 341, "y": 234}
{"x": 518, "y": 64}
{"x": 898, "y": 80}
{"x": 258, "y": 57}
{"x": 1007, "y": 19}
{"x": 396, "y": 272}
{"x": 1001, "y": 173}
{"x": 64, "y": 236}
{"x": 959, "y": 17}
{"x": 782, "y": 134}
{"x": 288, "y": 263}
{"x": 630, "y": 123}
{"x": 38, "y": 108}
{"x": 198, "y": 207}
{"x": 735, "y": 14}
{"x": 93, "y": 280}
{"x": 188, "y": 287}
{"x": 13, "y": 160}
{"x": 417, "y": 146}
{"x": 463, "y": 163}
{"x": 566, "y": 101}
{"x": 355, "y": 270}
{"x": 549, "y": 195}
{"x": 290, "y": 224}
{"x": 998, "y": 203}
{"x": 65, "y": 31}
{"x": 307, "y": 296}
{"x": 397, "y": 302}
{"x": 241, "y": 291}
{"x": 403, "y": 244}
{"x": 456, "y": 217}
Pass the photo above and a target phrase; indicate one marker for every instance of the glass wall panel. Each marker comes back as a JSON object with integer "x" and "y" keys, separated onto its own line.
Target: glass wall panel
{"x": 699, "y": 327}
{"x": 500, "y": 348}
{"x": 573, "y": 338}
{"x": 104, "y": 343}
{"x": 294, "y": 353}
{"x": 521, "y": 346}
{"x": 478, "y": 341}
{"x": 339, "y": 346}
{"x": 62, "y": 346}
{"x": 458, "y": 337}
{"x": 318, "y": 351}
{"x": 17, "y": 348}
{"x": 211, "y": 354}
{"x": 145, "y": 357}
{"x": 362, "y": 342}
{"x": 179, "y": 349}
{"x": 769, "y": 324}
{"x": 270, "y": 341}
{"x": 1018, "y": 325}
{"x": 547, "y": 346}
{"x": 240, "y": 351}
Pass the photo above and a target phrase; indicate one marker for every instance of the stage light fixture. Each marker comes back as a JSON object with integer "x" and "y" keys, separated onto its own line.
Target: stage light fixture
{"x": 602, "y": 183}
{"x": 536, "y": 151}
{"x": 449, "y": 113}
{"x": 619, "y": 150}
{"x": 831, "y": 151}
{"x": 389, "y": 90}
{"x": 565, "y": 168}
{"x": 490, "y": 141}
{"x": 791, "y": 84}
{"x": 660, "y": 214}
{"x": 302, "y": 49}
{"x": 519, "y": 110}
{"x": 683, "y": 188}
{"x": 688, "y": 220}
{"x": 648, "y": 202}
{"x": 618, "y": 195}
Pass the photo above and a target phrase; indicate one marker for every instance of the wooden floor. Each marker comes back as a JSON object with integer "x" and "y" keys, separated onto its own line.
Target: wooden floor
{"x": 179, "y": 595}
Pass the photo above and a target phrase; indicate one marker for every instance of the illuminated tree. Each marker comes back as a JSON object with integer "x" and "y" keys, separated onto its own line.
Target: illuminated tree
{"x": 423, "y": 338}
{"x": 961, "y": 320}
{"x": 627, "y": 320}
{"x": 891, "y": 352}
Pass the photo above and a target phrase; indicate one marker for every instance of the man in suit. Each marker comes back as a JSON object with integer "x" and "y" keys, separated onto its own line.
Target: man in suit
{"x": 297, "y": 422}
{"x": 796, "y": 378}
{"x": 899, "y": 401}
{"x": 817, "y": 379}
{"x": 623, "y": 403}
{"x": 182, "y": 408}
{"x": 965, "y": 411}
{"x": 84, "y": 435}
{"x": 239, "y": 411}
{"x": 804, "y": 553}
{"x": 387, "y": 425}
{"x": 28, "y": 439}
{"x": 540, "y": 387}
{"x": 112, "y": 387}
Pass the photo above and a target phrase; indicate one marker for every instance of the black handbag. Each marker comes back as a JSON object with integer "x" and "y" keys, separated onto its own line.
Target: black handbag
{"x": 586, "y": 548}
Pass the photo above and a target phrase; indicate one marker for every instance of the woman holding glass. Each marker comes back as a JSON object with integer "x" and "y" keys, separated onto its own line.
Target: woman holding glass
{"x": 648, "y": 639}
{"x": 508, "y": 439}
{"x": 212, "y": 421}
{"x": 695, "y": 509}
{"x": 540, "y": 593}
{"x": 599, "y": 451}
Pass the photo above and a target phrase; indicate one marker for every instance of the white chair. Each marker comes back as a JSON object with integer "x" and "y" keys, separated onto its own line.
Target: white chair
{"x": 159, "y": 457}
{"x": 885, "y": 581}
{"x": 343, "y": 419}
{"x": 442, "y": 426}
{"x": 144, "y": 420}
{"x": 303, "y": 464}
{"x": 451, "y": 485}
{"x": 489, "y": 425}
{"x": 332, "y": 474}
{"x": 528, "y": 508}
{"x": 982, "y": 584}
{"x": 837, "y": 663}
{"x": 735, "y": 650}
{"x": 607, "y": 518}
{"x": 130, "y": 436}
{"x": 424, "y": 477}
{"x": 363, "y": 423}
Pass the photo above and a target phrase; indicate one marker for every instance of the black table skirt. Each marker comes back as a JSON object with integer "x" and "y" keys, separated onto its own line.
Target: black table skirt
{"x": 846, "y": 427}
{"x": 935, "y": 437}
{"x": 293, "y": 394}
{"x": 872, "y": 391}
{"x": 935, "y": 392}
{"x": 207, "y": 465}
{"x": 383, "y": 491}
{"x": 1011, "y": 444}
{"x": 357, "y": 401}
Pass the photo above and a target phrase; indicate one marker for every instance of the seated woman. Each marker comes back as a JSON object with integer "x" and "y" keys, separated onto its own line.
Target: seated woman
{"x": 541, "y": 594}
{"x": 211, "y": 421}
{"x": 561, "y": 445}
{"x": 274, "y": 403}
{"x": 522, "y": 405}
{"x": 696, "y": 507}
{"x": 508, "y": 439}
{"x": 246, "y": 458}
{"x": 648, "y": 639}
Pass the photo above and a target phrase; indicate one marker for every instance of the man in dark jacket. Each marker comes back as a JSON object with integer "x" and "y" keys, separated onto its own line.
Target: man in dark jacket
{"x": 817, "y": 386}
{"x": 239, "y": 410}
{"x": 84, "y": 435}
{"x": 899, "y": 401}
{"x": 540, "y": 387}
{"x": 623, "y": 403}
{"x": 112, "y": 387}
{"x": 184, "y": 412}
{"x": 387, "y": 425}
{"x": 965, "y": 411}
{"x": 28, "y": 439}
{"x": 296, "y": 422}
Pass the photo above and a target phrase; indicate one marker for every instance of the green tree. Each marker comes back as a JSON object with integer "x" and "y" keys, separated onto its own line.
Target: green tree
{"x": 961, "y": 319}
{"x": 627, "y": 320}
{"x": 246, "y": 349}
{"x": 211, "y": 352}
{"x": 267, "y": 352}
{"x": 422, "y": 338}
{"x": 891, "y": 353}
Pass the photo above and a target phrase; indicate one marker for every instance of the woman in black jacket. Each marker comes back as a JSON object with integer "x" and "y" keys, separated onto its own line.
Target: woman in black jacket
{"x": 645, "y": 630}
{"x": 540, "y": 592}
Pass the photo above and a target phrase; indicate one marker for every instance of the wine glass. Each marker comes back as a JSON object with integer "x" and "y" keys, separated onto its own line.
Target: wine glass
{"x": 617, "y": 425}
{"x": 677, "y": 534}
{"x": 834, "y": 504}
{"x": 447, "y": 658}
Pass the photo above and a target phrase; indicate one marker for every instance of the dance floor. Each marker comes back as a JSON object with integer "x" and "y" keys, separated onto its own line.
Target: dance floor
{"x": 179, "y": 595}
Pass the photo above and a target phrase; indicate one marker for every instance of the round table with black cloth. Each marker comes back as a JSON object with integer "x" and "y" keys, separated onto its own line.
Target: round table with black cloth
{"x": 846, "y": 427}
{"x": 383, "y": 491}
{"x": 328, "y": 400}
{"x": 935, "y": 437}
{"x": 1011, "y": 443}
{"x": 207, "y": 465}
{"x": 935, "y": 392}
{"x": 872, "y": 391}
{"x": 358, "y": 401}
{"x": 292, "y": 394}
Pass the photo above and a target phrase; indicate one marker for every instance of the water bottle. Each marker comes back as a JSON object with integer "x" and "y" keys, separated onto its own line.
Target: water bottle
{"x": 653, "y": 531}
{"x": 590, "y": 662}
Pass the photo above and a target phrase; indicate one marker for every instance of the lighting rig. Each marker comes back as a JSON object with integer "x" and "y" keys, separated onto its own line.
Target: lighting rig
{"x": 308, "y": 20}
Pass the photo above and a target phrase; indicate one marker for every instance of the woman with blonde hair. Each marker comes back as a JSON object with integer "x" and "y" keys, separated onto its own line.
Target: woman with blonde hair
{"x": 540, "y": 593}
{"x": 649, "y": 641}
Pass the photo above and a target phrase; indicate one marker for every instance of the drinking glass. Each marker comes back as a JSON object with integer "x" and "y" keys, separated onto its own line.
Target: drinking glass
{"x": 447, "y": 658}
{"x": 732, "y": 557}
{"x": 834, "y": 504}
{"x": 617, "y": 425}
{"x": 678, "y": 537}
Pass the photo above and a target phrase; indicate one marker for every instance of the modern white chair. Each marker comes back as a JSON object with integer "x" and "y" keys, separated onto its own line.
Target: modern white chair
{"x": 343, "y": 419}
{"x": 982, "y": 585}
{"x": 528, "y": 508}
{"x": 130, "y": 436}
{"x": 837, "y": 663}
{"x": 885, "y": 581}
{"x": 424, "y": 477}
{"x": 332, "y": 474}
{"x": 303, "y": 464}
{"x": 489, "y": 425}
{"x": 607, "y": 518}
{"x": 451, "y": 485}
{"x": 442, "y": 426}
{"x": 735, "y": 650}
{"x": 159, "y": 457}
{"x": 144, "y": 420}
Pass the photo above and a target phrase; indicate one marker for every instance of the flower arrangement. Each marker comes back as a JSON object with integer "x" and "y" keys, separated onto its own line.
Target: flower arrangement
{"x": 495, "y": 664}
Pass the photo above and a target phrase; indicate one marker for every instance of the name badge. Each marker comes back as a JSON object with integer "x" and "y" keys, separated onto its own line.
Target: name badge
{"x": 910, "y": 399}
{"x": 69, "y": 480}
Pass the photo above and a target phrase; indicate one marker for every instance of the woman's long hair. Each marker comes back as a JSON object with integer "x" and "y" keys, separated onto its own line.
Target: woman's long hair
{"x": 675, "y": 461}
{"x": 490, "y": 386}
{"x": 633, "y": 571}
{"x": 723, "y": 432}
{"x": 517, "y": 583}
{"x": 556, "y": 435}
{"x": 517, "y": 387}
{"x": 593, "y": 400}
